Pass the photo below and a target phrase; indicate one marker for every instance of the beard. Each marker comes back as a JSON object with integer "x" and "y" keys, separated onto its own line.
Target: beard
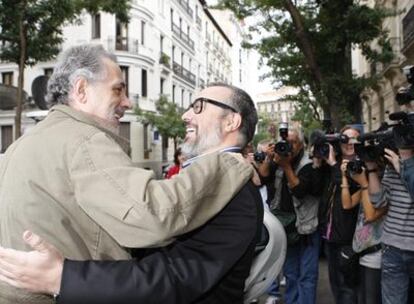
{"x": 202, "y": 143}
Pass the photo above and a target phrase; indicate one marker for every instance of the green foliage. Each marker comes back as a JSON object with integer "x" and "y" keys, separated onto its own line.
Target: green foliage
{"x": 307, "y": 44}
{"x": 167, "y": 119}
{"x": 42, "y": 23}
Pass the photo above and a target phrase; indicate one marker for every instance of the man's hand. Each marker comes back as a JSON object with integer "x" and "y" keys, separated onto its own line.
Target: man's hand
{"x": 283, "y": 161}
{"x": 331, "y": 160}
{"x": 393, "y": 158}
{"x": 360, "y": 178}
{"x": 38, "y": 271}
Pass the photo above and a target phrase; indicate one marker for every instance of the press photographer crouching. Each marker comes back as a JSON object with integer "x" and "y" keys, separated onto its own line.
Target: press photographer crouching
{"x": 297, "y": 188}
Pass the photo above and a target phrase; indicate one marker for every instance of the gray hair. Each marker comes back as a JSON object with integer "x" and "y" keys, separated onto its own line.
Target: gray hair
{"x": 78, "y": 61}
{"x": 244, "y": 104}
{"x": 299, "y": 133}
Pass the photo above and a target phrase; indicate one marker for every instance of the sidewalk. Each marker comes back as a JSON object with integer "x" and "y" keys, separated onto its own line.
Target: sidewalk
{"x": 324, "y": 295}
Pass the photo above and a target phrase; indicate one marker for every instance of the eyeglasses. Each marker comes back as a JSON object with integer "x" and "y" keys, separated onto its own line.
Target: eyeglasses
{"x": 198, "y": 105}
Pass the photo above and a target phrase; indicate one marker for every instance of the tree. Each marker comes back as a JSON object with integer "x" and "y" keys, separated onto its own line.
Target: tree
{"x": 167, "y": 119}
{"x": 31, "y": 31}
{"x": 307, "y": 44}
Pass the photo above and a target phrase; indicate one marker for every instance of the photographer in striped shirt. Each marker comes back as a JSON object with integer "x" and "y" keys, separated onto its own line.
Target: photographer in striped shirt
{"x": 398, "y": 232}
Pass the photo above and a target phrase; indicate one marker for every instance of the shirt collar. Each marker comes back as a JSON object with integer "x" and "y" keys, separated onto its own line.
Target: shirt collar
{"x": 233, "y": 149}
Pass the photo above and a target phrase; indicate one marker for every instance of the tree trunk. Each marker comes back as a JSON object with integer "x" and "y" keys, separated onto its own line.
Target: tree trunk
{"x": 23, "y": 50}
{"x": 307, "y": 48}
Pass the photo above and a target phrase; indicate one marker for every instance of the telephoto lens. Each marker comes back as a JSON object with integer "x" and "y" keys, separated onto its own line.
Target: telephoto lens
{"x": 283, "y": 147}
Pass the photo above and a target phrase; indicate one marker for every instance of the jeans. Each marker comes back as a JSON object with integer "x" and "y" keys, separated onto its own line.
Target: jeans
{"x": 397, "y": 270}
{"x": 369, "y": 286}
{"x": 301, "y": 270}
{"x": 342, "y": 292}
{"x": 274, "y": 289}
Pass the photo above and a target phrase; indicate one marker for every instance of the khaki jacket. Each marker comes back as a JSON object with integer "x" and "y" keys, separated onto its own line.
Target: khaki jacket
{"x": 70, "y": 181}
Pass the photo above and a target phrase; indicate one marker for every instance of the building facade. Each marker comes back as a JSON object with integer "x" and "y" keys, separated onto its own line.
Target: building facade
{"x": 169, "y": 47}
{"x": 276, "y": 105}
{"x": 379, "y": 100}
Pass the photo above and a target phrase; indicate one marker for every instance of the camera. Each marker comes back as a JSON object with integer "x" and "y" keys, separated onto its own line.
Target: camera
{"x": 373, "y": 144}
{"x": 406, "y": 95}
{"x": 321, "y": 140}
{"x": 403, "y": 131}
{"x": 283, "y": 147}
{"x": 355, "y": 166}
{"x": 259, "y": 156}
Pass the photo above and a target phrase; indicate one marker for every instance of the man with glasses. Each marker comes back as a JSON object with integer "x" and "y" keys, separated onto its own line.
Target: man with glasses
{"x": 207, "y": 265}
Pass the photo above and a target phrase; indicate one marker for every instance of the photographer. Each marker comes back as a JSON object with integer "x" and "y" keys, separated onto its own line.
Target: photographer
{"x": 338, "y": 224}
{"x": 295, "y": 204}
{"x": 398, "y": 234}
{"x": 366, "y": 240}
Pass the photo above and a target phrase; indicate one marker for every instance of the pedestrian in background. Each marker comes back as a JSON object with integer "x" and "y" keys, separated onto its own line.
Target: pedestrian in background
{"x": 179, "y": 159}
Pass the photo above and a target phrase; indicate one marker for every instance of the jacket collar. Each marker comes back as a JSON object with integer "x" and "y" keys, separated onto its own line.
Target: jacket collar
{"x": 85, "y": 118}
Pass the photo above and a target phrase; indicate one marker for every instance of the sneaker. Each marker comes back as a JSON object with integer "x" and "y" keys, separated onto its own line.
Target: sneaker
{"x": 273, "y": 300}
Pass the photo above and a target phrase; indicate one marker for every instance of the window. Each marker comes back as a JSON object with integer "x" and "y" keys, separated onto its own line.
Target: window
{"x": 7, "y": 78}
{"x": 173, "y": 93}
{"x": 162, "y": 83}
{"x": 125, "y": 75}
{"x": 121, "y": 36}
{"x": 182, "y": 98}
{"x": 146, "y": 143}
{"x": 143, "y": 32}
{"x": 48, "y": 72}
{"x": 173, "y": 54}
{"x": 96, "y": 26}
{"x": 6, "y": 137}
{"x": 162, "y": 43}
{"x": 144, "y": 83}
{"x": 172, "y": 18}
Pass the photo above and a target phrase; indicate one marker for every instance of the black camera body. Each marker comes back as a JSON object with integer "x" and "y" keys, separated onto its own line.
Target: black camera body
{"x": 373, "y": 144}
{"x": 406, "y": 95}
{"x": 403, "y": 131}
{"x": 283, "y": 147}
{"x": 355, "y": 166}
{"x": 259, "y": 157}
{"x": 393, "y": 137}
{"x": 321, "y": 140}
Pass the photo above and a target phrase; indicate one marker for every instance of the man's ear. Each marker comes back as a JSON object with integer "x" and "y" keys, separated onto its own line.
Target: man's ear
{"x": 233, "y": 122}
{"x": 79, "y": 90}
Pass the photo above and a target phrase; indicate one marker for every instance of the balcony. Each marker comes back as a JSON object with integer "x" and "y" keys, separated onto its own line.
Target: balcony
{"x": 165, "y": 60}
{"x": 122, "y": 44}
{"x": 408, "y": 31}
{"x": 184, "y": 73}
{"x": 186, "y": 7}
{"x": 396, "y": 51}
{"x": 183, "y": 36}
